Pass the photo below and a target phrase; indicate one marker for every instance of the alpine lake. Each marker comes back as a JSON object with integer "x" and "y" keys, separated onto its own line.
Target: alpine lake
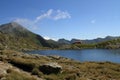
{"x": 82, "y": 55}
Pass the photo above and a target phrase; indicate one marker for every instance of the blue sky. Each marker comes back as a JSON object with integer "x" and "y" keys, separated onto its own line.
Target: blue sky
{"x": 81, "y": 19}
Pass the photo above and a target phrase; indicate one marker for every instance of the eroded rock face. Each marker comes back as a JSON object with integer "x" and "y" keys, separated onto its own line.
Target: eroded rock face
{"x": 50, "y": 68}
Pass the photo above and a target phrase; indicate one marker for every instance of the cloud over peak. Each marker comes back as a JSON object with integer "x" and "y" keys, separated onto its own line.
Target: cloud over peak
{"x": 50, "y": 14}
{"x": 48, "y": 38}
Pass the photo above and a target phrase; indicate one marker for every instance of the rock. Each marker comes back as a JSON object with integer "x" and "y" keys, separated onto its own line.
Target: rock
{"x": 50, "y": 68}
{"x": 3, "y": 69}
{"x": 55, "y": 57}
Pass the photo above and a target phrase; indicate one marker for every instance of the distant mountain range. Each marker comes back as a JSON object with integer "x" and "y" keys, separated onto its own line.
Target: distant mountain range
{"x": 15, "y": 36}
{"x": 97, "y": 40}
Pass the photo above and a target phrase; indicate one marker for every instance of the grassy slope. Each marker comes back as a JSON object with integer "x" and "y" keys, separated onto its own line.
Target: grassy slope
{"x": 11, "y": 42}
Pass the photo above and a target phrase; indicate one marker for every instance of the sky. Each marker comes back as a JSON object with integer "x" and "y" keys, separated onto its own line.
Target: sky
{"x": 55, "y": 19}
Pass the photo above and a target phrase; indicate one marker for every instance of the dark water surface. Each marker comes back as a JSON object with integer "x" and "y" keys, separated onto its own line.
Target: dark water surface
{"x": 84, "y": 54}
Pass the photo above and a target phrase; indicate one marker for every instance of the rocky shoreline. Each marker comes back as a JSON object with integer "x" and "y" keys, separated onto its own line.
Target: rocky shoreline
{"x": 22, "y": 66}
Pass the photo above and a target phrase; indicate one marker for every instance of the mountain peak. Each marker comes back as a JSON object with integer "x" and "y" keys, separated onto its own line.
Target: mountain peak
{"x": 14, "y": 32}
{"x": 12, "y": 27}
{"x": 15, "y": 24}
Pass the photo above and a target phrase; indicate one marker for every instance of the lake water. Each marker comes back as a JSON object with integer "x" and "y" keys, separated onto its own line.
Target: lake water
{"x": 84, "y": 54}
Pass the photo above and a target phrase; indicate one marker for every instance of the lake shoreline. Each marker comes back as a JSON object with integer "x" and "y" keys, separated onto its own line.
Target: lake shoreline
{"x": 69, "y": 69}
{"x": 98, "y": 55}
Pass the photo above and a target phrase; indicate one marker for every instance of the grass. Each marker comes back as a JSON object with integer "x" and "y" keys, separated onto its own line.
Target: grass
{"x": 13, "y": 75}
{"x": 71, "y": 70}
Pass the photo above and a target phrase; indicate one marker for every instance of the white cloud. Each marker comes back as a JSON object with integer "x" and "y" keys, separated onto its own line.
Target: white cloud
{"x": 29, "y": 24}
{"x": 50, "y": 14}
{"x": 45, "y": 15}
{"x": 54, "y": 15}
{"x": 48, "y": 38}
{"x": 93, "y": 21}
{"x": 61, "y": 15}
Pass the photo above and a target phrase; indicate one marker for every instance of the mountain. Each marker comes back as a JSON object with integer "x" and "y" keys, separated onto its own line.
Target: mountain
{"x": 92, "y": 41}
{"x": 15, "y": 36}
{"x": 54, "y": 44}
{"x": 74, "y": 40}
{"x": 64, "y": 41}
{"x": 98, "y": 40}
{"x": 111, "y": 44}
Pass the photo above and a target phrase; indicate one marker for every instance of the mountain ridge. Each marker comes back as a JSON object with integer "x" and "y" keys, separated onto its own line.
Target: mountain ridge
{"x": 15, "y": 35}
{"x": 88, "y": 41}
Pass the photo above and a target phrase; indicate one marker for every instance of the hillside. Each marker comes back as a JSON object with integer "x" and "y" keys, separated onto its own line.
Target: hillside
{"x": 111, "y": 44}
{"x": 64, "y": 41}
{"x": 15, "y": 36}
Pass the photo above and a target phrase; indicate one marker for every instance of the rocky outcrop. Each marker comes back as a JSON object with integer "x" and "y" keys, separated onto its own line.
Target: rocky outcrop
{"x": 50, "y": 68}
{"x": 3, "y": 69}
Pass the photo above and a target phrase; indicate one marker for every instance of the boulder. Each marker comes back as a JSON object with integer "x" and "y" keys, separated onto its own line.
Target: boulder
{"x": 50, "y": 68}
{"x": 3, "y": 69}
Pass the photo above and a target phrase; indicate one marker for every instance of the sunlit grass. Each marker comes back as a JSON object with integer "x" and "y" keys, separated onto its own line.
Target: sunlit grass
{"x": 71, "y": 70}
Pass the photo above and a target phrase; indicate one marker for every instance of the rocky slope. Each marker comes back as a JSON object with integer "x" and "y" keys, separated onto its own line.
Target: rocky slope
{"x": 14, "y": 36}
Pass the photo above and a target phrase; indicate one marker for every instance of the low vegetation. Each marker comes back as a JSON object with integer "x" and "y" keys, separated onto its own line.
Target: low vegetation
{"x": 13, "y": 75}
{"x": 71, "y": 70}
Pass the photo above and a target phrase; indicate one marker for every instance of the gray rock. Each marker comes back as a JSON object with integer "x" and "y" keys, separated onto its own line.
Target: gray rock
{"x": 50, "y": 68}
